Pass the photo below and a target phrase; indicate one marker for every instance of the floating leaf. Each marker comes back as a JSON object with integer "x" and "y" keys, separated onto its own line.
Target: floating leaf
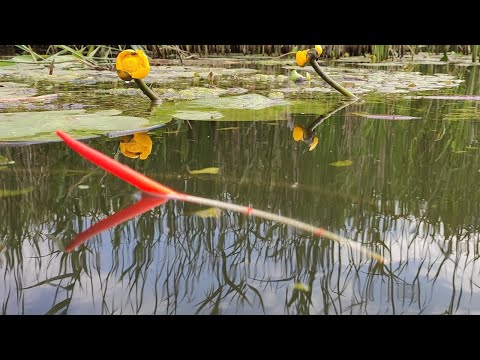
{"x": 41, "y": 125}
{"x": 245, "y": 101}
{"x": 301, "y": 287}
{"x": 248, "y": 107}
{"x": 209, "y": 170}
{"x": 197, "y": 115}
{"x": 7, "y": 193}
{"x": 22, "y": 59}
{"x": 341, "y": 163}
{"x": 208, "y": 213}
{"x": 229, "y": 128}
{"x": 83, "y": 187}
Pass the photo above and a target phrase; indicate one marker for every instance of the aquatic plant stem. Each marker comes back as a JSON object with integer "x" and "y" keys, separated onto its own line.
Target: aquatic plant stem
{"x": 330, "y": 81}
{"x": 146, "y": 90}
{"x": 154, "y": 188}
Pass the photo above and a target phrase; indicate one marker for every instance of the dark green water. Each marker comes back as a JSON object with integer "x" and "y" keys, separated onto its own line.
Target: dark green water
{"x": 411, "y": 194}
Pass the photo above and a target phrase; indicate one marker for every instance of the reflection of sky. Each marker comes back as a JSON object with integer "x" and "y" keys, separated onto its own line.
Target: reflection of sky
{"x": 181, "y": 270}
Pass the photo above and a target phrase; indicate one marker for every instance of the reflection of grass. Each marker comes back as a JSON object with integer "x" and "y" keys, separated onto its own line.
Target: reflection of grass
{"x": 405, "y": 194}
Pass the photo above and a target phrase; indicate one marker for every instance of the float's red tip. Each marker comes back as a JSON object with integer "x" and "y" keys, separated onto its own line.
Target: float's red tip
{"x": 124, "y": 172}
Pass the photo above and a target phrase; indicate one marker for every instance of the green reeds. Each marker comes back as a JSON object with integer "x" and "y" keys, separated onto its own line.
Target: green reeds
{"x": 105, "y": 52}
{"x": 380, "y": 52}
{"x": 474, "y": 52}
{"x": 330, "y": 81}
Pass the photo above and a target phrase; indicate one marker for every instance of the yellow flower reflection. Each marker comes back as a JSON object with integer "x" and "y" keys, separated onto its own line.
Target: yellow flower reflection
{"x": 132, "y": 64}
{"x": 300, "y": 134}
{"x": 138, "y": 145}
{"x": 313, "y": 144}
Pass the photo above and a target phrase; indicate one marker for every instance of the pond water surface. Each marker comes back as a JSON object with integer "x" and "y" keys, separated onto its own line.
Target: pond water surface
{"x": 408, "y": 191}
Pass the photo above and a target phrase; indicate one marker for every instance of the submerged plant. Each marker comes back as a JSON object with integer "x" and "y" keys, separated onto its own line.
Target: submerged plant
{"x": 134, "y": 65}
{"x": 310, "y": 56}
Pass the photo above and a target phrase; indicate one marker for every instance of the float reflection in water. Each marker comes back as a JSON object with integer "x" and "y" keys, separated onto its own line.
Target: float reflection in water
{"x": 145, "y": 204}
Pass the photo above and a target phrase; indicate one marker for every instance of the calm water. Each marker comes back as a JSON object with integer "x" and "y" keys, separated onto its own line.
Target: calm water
{"x": 411, "y": 194}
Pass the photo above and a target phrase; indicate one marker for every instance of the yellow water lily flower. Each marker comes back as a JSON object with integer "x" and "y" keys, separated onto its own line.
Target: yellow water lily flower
{"x": 298, "y": 133}
{"x": 301, "y": 58}
{"x": 314, "y": 143}
{"x": 132, "y": 64}
{"x": 140, "y": 145}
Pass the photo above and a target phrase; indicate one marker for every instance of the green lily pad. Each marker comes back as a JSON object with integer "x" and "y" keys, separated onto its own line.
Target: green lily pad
{"x": 246, "y": 101}
{"x": 197, "y": 115}
{"x": 41, "y": 126}
{"x": 22, "y": 59}
{"x": 247, "y": 107}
